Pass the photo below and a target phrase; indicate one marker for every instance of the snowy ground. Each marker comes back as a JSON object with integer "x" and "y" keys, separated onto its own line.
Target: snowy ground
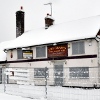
{"x": 4, "y": 96}
{"x": 53, "y": 93}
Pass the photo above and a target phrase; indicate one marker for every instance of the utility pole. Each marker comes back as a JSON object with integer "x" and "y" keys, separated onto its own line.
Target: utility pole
{"x": 50, "y": 6}
{"x": 46, "y": 74}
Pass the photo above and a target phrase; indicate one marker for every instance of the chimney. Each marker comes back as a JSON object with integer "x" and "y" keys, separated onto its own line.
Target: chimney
{"x": 48, "y": 21}
{"x": 19, "y": 22}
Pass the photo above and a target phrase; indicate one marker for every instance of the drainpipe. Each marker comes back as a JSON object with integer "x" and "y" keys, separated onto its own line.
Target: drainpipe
{"x": 98, "y": 41}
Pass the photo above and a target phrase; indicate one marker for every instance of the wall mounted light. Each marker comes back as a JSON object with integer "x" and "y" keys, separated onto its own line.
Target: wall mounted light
{"x": 11, "y": 54}
{"x": 90, "y": 42}
{"x": 49, "y": 62}
{"x": 5, "y": 51}
{"x": 54, "y": 44}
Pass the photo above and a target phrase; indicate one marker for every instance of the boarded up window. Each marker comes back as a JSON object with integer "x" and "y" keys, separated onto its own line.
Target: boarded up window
{"x": 79, "y": 72}
{"x": 40, "y": 72}
{"x": 19, "y": 53}
{"x": 78, "y": 48}
{"x": 41, "y": 51}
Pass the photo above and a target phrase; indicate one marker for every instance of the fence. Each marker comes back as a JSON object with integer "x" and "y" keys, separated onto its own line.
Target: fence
{"x": 58, "y": 83}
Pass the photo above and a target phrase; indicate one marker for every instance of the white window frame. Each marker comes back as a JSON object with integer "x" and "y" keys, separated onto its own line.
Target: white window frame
{"x": 73, "y": 53}
{"x": 45, "y": 52}
{"x": 21, "y": 54}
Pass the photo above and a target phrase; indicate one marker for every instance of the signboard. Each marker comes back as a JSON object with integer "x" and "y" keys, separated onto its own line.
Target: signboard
{"x": 58, "y": 50}
{"x": 27, "y": 54}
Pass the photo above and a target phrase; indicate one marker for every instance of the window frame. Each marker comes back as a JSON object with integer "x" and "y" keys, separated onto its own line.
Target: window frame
{"x": 77, "y": 43}
{"x": 83, "y": 75}
{"x": 18, "y": 54}
{"x": 43, "y": 73}
{"x": 21, "y": 56}
{"x": 23, "y": 51}
{"x": 44, "y": 52}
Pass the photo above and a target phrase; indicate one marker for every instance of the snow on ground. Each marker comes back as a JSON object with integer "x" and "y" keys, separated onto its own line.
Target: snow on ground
{"x": 53, "y": 93}
{"x": 4, "y": 96}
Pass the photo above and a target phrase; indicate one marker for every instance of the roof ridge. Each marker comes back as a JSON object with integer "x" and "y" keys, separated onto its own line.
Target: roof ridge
{"x": 78, "y": 19}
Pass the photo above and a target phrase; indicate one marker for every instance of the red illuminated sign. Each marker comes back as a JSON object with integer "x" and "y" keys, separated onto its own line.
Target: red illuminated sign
{"x": 58, "y": 50}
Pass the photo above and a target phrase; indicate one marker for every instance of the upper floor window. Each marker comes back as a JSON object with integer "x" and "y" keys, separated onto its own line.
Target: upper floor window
{"x": 27, "y": 54}
{"x": 78, "y": 47}
{"x": 24, "y": 54}
{"x": 19, "y": 53}
{"x": 41, "y": 51}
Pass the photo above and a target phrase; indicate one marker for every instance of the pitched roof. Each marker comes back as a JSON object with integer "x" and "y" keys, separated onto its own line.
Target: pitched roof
{"x": 2, "y": 53}
{"x": 68, "y": 31}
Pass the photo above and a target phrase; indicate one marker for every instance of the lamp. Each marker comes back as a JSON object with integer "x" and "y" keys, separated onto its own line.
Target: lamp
{"x": 54, "y": 44}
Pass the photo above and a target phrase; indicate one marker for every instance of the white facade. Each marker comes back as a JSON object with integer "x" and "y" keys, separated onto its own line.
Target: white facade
{"x": 80, "y": 63}
{"x": 91, "y": 48}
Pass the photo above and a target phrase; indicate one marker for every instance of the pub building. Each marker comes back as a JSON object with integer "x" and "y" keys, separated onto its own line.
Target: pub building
{"x": 69, "y": 51}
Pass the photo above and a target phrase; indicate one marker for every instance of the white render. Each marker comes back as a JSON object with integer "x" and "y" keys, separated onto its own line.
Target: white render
{"x": 85, "y": 30}
{"x": 67, "y": 63}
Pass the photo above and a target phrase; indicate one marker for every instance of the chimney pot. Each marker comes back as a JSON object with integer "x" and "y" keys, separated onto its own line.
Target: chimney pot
{"x": 48, "y": 21}
{"x": 20, "y": 22}
{"x": 21, "y": 7}
{"x": 47, "y": 14}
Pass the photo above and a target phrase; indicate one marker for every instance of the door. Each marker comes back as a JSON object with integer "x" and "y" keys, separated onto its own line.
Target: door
{"x": 58, "y": 75}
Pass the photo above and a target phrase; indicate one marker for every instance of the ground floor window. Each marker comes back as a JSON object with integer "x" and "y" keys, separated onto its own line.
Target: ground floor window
{"x": 41, "y": 72}
{"x": 79, "y": 72}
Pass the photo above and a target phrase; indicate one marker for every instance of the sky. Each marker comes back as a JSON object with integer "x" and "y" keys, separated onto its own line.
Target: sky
{"x": 35, "y": 12}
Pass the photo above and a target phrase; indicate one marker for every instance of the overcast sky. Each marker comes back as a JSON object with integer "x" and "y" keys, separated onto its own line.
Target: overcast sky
{"x": 35, "y": 11}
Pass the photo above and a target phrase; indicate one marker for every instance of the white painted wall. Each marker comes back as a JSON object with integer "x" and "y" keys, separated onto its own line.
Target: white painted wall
{"x": 14, "y": 52}
{"x": 90, "y": 49}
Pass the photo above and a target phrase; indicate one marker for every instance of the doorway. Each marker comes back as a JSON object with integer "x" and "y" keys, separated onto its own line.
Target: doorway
{"x": 58, "y": 74}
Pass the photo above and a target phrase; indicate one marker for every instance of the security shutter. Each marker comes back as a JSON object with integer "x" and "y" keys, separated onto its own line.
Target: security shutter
{"x": 40, "y": 73}
{"x": 79, "y": 72}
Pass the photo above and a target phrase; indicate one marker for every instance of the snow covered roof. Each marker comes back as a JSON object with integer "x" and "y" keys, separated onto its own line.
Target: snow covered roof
{"x": 2, "y": 53}
{"x": 68, "y": 31}
{"x": 49, "y": 16}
